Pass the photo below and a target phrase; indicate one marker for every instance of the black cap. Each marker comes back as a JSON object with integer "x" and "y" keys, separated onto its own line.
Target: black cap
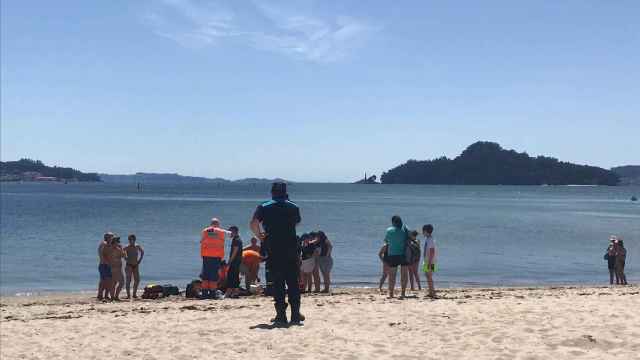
{"x": 279, "y": 189}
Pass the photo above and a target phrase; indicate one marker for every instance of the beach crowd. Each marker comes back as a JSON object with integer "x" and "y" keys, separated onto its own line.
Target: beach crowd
{"x": 294, "y": 264}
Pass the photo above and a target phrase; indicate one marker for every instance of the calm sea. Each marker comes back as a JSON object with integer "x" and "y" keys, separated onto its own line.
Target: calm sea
{"x": 487, "y": 235}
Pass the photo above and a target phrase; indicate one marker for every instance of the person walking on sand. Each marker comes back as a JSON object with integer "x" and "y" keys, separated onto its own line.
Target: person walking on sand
{"x": 134, "y": 253}
{"x": 396, "y": 238}
{"x": 212, "y": 253}
{"x": 274, "y": 223}
{"x": 430, "y": 257}
{"x": 325, "y": 261}
{"x": 621, "y": 256}
{"x": 104, "y": 268}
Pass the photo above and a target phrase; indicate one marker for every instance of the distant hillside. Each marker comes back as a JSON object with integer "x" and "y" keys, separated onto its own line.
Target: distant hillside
{"x": 153, "y": 178}
{"x": 487, "y": 163}
{"x": 35, "y": 170}
{"x": 629, "y": 175}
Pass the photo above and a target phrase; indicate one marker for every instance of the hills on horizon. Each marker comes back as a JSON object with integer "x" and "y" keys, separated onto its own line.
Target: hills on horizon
{"x": 482, "y": 163}
{"x": 487, "y": 163}
{"x": 174, "y": 178}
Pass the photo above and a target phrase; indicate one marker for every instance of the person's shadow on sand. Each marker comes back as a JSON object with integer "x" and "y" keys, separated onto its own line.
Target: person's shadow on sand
{"x": 272, "y": 326}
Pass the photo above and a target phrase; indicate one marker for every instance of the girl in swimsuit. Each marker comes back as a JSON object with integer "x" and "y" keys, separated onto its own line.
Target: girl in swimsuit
{"x": 133, "y": 254}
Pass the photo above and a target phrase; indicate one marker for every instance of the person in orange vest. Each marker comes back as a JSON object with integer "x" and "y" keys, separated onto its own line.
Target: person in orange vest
{"x": 212, "y": 252}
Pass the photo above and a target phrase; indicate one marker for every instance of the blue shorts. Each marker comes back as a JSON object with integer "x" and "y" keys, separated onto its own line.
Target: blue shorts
{"x": 210, "y": 268}
{"x": 105, "y": 271}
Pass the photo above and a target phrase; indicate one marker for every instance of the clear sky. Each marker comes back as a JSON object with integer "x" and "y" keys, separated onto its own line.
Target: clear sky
{"x": 315, "y": 90}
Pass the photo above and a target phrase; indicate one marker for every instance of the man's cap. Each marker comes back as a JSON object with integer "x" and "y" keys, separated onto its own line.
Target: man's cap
{"x": 109, "y": 235}
{"x": 279, "y": 188}
{"x": 215, "y": 221}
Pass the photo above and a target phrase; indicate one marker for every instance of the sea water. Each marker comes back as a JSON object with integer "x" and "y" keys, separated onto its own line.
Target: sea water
{"x": 486, "y": 235}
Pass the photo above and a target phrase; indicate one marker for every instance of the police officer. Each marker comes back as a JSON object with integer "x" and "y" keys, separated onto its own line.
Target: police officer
{"x": 274, "y": 223}
{"x": 212, "y": 252}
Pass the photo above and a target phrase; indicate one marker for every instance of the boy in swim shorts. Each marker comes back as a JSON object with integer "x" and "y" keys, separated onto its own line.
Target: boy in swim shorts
{"x": 133, "y": 257}
{"x": 430, "y": 258}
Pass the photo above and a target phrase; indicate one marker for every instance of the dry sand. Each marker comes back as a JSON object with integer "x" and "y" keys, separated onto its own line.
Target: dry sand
{"x": 501, "y": 323}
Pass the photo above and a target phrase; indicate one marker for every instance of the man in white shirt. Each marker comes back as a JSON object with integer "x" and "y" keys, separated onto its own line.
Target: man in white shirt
{"x": 430, "y": 264}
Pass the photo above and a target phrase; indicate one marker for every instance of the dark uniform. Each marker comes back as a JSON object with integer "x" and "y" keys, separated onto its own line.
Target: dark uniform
{"x": 279, "y": 218}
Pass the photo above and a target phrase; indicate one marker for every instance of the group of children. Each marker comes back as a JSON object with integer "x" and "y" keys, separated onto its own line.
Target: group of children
{"x": 111, "y": 255}
{"x": 410, "y": 260}
{"x": 616, "y": 256}
{"x": 315, "y": 260}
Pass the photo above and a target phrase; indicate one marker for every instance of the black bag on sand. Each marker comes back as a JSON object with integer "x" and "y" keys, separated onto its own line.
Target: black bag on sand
{"x": 152, "y": 291}
{"x": 169, "y": 289}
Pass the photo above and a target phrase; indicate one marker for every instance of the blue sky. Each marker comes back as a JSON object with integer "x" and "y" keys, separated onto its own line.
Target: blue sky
{"x": 315, "y": 90}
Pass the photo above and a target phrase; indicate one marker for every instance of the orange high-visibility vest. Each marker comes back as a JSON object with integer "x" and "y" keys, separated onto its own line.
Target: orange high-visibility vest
{"x": 212, "y": 243}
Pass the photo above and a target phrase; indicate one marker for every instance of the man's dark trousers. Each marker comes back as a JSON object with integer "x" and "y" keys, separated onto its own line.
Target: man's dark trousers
{"x": 285, "y": 272}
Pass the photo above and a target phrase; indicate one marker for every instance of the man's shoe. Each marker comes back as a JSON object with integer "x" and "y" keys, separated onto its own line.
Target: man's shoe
{"x": 297, "y": 318}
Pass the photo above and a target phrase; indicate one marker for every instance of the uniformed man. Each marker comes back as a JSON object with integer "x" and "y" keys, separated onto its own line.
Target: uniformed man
{"x": 274, "y": 223}
{"x": 212, "y": 252}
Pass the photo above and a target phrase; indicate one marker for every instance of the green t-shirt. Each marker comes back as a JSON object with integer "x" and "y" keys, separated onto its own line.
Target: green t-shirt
{"x": 396, "y": 238}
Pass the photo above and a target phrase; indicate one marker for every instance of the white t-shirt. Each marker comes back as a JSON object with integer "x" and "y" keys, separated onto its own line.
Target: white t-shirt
{"x": 430, "y": 243}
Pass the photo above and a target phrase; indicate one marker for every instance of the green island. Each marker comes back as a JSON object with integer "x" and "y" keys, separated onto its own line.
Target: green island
{"x": 35, "y": 170}
{"x": 487, "y": 163}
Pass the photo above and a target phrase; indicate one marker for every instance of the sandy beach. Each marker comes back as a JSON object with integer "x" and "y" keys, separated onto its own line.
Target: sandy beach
{"x": 500, "y": 323}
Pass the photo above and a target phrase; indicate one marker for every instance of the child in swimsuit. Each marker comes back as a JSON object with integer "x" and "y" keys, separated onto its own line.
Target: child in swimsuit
{"x": 133, "y": 254}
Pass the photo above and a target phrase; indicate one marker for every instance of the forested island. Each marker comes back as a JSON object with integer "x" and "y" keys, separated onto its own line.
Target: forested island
{"x": 487, "y": 163}
{"x": 35, "y": 170}
{"x": 629, "y": 174}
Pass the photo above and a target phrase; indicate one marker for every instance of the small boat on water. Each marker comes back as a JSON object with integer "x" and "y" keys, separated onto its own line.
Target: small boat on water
{"x": 633, "y": 198}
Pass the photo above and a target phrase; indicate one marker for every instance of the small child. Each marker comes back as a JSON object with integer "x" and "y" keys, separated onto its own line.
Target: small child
{"x": 414, "y": 276}
{"x": 430, "y": 259}
{"x": 133, "y": 257}
{"x": 382, "y": 254}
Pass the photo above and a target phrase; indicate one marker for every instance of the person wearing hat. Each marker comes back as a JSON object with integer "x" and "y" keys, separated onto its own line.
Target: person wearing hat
{"x": 212, "y": 253}
{"x": 274, "y": 223}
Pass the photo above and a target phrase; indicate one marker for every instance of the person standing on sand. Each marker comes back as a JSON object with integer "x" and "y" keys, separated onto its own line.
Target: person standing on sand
{"x": 310, "y": 253}
{"x": 621, "y": 256}
{"x": 610, "y": 256}
{"x": 325, "y": 261}
{"x": 274, "y": 223}
{"x": 212, "y": 253}
{"x": 414, "y": 276}
{"x": 382, "y": 254}
{"x": 133, "y": 257}
{"x": 105, "y": 283}
{"x": 430, "y": 258}
{"x": 116, "y": 254}
{"x": 396, "y": 239}
{"x": 235, "y": 259}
